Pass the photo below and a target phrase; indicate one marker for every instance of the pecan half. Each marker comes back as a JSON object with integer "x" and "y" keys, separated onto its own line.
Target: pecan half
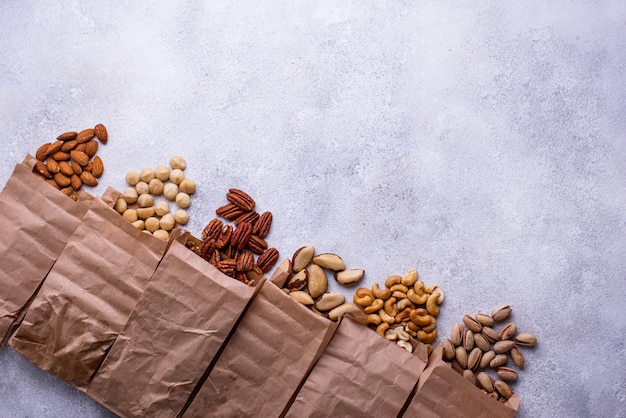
{"x": 242, "y": 277}
{"x": 250, "y": 217}
{"x": 257, "y": 245}
{"x": 262, "y": 226}
{"x": 208, "y": 248}
{"x": 241, "y": 235}
{"x": 229, "y": 211}
{"x": 241, "y": 199}
{"x": 267, "y": 260}
{"x": 227, "y": 267}
{"x": 245, "y": 261}
{"x": 212, "y": 230}
{"x": 224, "y": 238}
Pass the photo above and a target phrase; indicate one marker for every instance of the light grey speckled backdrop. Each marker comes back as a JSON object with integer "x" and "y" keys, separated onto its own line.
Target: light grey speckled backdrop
{"x": 482, "y": 143}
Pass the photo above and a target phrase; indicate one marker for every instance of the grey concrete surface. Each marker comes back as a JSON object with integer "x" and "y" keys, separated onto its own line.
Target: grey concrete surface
{"x": 480, "y": 142}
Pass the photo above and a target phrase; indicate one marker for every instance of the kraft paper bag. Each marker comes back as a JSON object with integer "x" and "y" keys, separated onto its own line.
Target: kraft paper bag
{"x": 36, "y": 221}
{"x": 359, "y": 374}
{"x": 171, "y": 338}
{"x": 88, "y": 295}
{"x": 442, "y": 392}
{"x": 268, "y": 357}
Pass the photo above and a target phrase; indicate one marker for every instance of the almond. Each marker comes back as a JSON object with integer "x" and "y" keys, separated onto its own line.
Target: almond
{"x": 101, "y": 133}
{"x": 69, "y": 145}
{"x": 53, "y": 184}
{"x": 88, "y": 167}
{"x": 67, "y": 191}
{"x": 42, "y": 152}
{"x": 78, "y": 170}
{"x": 81, "y": 147}
{"x": 52, "y": 165}
{"x": 97, "y": 167}
{"x": 91, "y": 148}
{"x": 41, "y": 169}
{"x": 54, "y": 147}
{"x": 75, "y": 182}
{"x": 88, "y": 179}
{"x": 61, "y": 156}
{"x": 65, "y": 168}
{"x": 80, "y": 157}
{"x": 62, "y": 180}
{"x": 85, "y": 135}
{"x": 67, "y": 136}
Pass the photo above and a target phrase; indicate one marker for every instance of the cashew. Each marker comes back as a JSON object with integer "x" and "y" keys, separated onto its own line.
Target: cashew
{"x": 388, "y": 306}
{"x": 383, "y": 294}
{"x": 405, "y": 303}
{"x": 399, "y": 287}
{"x": 363, "y": 297}
{"x": 430, "y": 288}
{"x": 441, "y": 297}
{"x": 412, "y": 326}
{"x": 403, "y": 316}
{"x": 391, "y": 334}
{"x": 381, "y": 328}
{"x": 398, "y": 295}
{"x": 427, "y": 337}
{"x": 406, "y": 345}
{"x": 385, "y": 317}
{"x": 431, "y": 304}
{"x": 410, "y": 278}
{"x": 391, "y": 280}
{"x": 420, "y": 320}
{"x": 432, "y": 326}
{"x": 373, "y": 319}
{"x": 415, "y": 298}
{"x": 419, "y": 287}
{"x": 402, "y": 334}
{"x": 374, "y": 307}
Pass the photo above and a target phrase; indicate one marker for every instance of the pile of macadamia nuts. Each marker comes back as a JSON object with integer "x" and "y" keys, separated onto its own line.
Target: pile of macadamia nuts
{"x": 146, "y": 202}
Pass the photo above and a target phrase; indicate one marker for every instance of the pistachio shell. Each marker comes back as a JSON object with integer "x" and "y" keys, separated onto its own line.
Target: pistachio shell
{"x": 527, "y": 340}
{"x": 472, "y": 324}
{"x": 501, "y": 313}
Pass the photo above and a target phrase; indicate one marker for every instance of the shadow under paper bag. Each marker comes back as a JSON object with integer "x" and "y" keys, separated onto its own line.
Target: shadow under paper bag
{"x": 36, "y": 221}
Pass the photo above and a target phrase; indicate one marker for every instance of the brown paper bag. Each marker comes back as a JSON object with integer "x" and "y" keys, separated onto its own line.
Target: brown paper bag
{"x": 88, "y": 295}
{"x": 36, "y": 221}
{"x": 269, "y": 355}
{"x": 359, "y": 374}
{"x": 442, "y": 392}
{"x": 173, "y": 334}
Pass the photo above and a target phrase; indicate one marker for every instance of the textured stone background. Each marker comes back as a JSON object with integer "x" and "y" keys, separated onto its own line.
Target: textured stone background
{"x": 481, "y": 143}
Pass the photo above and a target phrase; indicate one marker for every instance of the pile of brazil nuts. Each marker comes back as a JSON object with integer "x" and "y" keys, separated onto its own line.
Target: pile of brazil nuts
{"x": 71, "y": 162}
{"x": 141, "y": 202}
{"x": 308, "y": 284}
{"x": 240, "y": 250}
{"x": 404, "y": 309}
{"x": 475, "y": 349}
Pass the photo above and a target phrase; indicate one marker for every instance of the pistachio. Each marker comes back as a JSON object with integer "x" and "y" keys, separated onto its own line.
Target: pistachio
{"x": 376, "y": 306}
{"x": 485, "y": 319}
{"x": 298, "y": 281}
{"x": 302, "y": 257}
{"x": 503, "y": 389}
{"x": 468, "y": 340}
{"x": 473, "y": 360}
{"x": 472, "y": 324}
{"x": 501, "y": 313}
{"x": 409, "y": 279}
{"x": 348, "y": 277}
{"x": 508, "y": 332}
{"x": 481, "y": 342}
{"x": 380, "y": 293}
{"x": 503, "y": 346}
{"x": 498, "y": 360}
{"x": 491, "y": 334}
{"x": 329, "y": 300}
{"x": 517, "y": 357}
{"x": 484, "y": 381}
{"x": 457, "y": 334}
{"x": 302, "y": 297}
{"x": 447, "y": 350}
{"x": 329, "y": 261}
{"x": 406, "y": 345}
{"x": 461, "y": 356}
{"x": 469, "y": 375}
{"x": 506, "y": 373}
{"x": 527, "y": 340}
{"x": 486, "y": 359}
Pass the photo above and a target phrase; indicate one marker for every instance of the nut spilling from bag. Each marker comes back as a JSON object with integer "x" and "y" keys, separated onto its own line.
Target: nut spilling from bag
{"x": 71, "y": 162}
{"x": 476, "y": 348}
{"x": 404, "y": 305}
{"x": 139, "y": 203}
{"x": 239, "y": 251}
{"x": 308, "y": 284}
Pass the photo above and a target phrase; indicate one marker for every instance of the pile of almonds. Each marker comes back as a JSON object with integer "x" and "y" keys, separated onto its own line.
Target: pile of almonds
{"x": 239, "y": 251}
{"x": 66, "y": 163}
{"x": 478, "y": 348}
{"x": 404, "y": 308}
{"x": 139, "y": 204}
{"x": 307, "y": 282}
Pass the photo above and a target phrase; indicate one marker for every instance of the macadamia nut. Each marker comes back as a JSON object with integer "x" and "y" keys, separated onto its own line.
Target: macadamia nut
{"x": 139, "y": 224}
{"x": 155, "y": 187}
{"x": 161, "y": 208}
{"x": 183, "y": 200}
{"x": 177, "y": 176}
{"x": 142, "y": 188}
{"x": 181, "y": 216}
{"x": 130, "y": 195}
{"x": 167, "y": 222}
{"x": 145, "y": 200}
{"x": 132, "y": 177}
{"x": 170, "y": 191}
{"x": 177, "y": 162}
{"x": 152, "y": 224}
{"x": 145, "y": 213}
{"x": 121, "y": 205}
{"x": 146, "y": 174}
{"x": 130, "y": 215}
{"x": 188, "y": 186}
{"x": 161, "y": 234}
{"x": 162, "y": 173}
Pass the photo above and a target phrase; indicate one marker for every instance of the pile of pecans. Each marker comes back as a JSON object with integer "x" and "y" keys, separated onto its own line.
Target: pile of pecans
{"x": 307, "y": 281}
{"x": 239, "y": 251}
{"x": 66, "y": 164}
{"x": 404, "y": 309}
{"x": 475, "y": 349}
